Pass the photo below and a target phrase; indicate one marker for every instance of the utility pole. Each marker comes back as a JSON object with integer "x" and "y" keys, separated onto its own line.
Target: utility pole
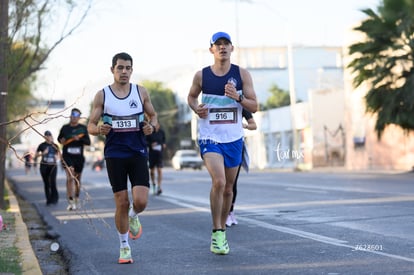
{"x": 237, "y": 27}
{"x": 4, "y": 23}
{"x": 292, "y": 94}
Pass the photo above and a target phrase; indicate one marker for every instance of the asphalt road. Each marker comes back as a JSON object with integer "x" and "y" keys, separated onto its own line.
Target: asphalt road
{"x": 289, "y": 223}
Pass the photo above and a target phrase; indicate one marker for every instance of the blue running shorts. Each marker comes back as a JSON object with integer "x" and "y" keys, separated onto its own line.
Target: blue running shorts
{"x": 231, "y": 151}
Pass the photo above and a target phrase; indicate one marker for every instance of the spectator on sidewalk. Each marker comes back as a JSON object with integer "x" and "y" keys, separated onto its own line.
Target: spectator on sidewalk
{"x": 27, "y": 162}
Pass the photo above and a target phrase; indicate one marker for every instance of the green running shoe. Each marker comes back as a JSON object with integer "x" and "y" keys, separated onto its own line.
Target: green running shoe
{"x": 219, "y": 243}
{"x": 125, "y": 256}
{"x": 135, "y": 228}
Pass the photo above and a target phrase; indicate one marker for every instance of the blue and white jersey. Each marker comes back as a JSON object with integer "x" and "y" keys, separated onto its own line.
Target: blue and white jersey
{"x": 126, "y": 137}
{"x": 224, "y": 121}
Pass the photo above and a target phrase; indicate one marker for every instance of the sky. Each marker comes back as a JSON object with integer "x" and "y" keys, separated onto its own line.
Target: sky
{"x": 162, "y": 35}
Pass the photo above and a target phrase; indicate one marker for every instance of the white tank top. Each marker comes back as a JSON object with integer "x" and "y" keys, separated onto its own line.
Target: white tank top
{"x": 124, "y": 114}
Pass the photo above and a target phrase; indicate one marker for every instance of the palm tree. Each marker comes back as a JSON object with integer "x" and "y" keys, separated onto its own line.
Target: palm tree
{"x": 384, "y": 61}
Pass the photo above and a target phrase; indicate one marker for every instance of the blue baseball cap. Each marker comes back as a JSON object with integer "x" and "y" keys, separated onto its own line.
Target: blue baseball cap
{"x": 219, "y": 35}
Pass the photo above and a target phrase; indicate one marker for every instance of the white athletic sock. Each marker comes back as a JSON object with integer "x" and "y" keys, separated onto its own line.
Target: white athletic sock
{"x": 123, "y": 239}
{"x": 132, "y": 212}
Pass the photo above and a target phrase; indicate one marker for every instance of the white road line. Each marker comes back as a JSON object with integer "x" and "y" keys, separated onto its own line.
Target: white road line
{"x": 306, "y": 190}
{"x": 179, "y": 202}
{"x": 319, "y": 238}
{"x": 304, "y": 234}
{"x": 307, "y": 235}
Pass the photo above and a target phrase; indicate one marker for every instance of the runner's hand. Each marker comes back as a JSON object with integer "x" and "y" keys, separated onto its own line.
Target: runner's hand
{"x": 148, "y": 128}
{"x": 202, "y": 111}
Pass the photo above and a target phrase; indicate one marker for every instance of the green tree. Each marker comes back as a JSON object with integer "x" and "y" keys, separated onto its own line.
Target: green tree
{"x": 278, "y": 98}
{"x": 18, "y": 101}
{"x": 383, "y": 61}
{"x": 26, "y": 31}
{"x": 30, "y": 26}
{"x": 163, "y": 100}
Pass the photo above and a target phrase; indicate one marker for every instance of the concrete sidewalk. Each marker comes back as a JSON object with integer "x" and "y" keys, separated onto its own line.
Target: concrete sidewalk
{"x": 30, "y": 264}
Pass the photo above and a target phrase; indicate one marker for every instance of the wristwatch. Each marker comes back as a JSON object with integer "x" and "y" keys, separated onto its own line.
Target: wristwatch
{"x": 241, "y": 97}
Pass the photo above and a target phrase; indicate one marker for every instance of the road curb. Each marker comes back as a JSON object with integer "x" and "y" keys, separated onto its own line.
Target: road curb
{"x": 30, "y": 265}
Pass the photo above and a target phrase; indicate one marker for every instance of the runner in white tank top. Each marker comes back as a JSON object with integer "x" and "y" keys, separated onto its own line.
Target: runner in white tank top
{"x": 121, "y": 106}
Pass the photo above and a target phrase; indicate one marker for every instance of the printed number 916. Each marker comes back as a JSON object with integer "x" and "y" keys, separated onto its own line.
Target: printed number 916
{"x": 220, "y": 116}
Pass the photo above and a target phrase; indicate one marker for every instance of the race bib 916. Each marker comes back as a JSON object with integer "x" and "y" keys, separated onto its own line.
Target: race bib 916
{"x": 223, "y": 115}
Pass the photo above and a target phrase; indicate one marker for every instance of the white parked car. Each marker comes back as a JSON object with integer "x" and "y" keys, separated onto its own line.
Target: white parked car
{"x": 186, "y": 159}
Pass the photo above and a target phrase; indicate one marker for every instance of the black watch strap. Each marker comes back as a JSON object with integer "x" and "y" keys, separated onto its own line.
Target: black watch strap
{"x": 241, "y": 97}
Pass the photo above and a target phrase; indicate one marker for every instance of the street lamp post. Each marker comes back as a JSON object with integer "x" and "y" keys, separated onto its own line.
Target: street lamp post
{"x": 237, "y": 34}
{"x": 291, "y": 73}
{"x": 292, "y": 89}
{"x": 292, "y": 94}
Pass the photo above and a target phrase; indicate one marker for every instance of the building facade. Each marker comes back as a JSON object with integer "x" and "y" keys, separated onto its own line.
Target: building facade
{"x": 330, "y": 125}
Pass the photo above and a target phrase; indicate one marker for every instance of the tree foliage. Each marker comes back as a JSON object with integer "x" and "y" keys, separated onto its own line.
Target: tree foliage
{"x": 27, "y": 43}
{"x": 20, "y": 91}
{"x": 163, "y": 100}
{"x": 383, "y": 61}
{"x": 30, "y": 29}
{"x": 278, "y": 98}
{"x": 31, "y": 43}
